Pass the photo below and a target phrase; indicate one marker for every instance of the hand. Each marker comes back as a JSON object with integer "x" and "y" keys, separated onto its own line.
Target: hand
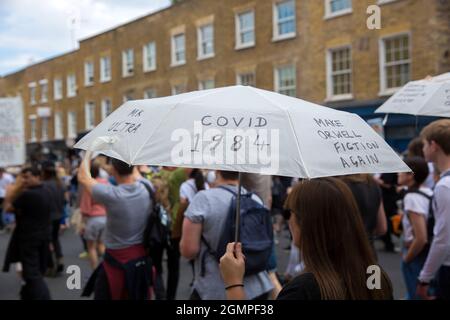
{"x": 422, "y": 292}
{"x": 232, "y": 265}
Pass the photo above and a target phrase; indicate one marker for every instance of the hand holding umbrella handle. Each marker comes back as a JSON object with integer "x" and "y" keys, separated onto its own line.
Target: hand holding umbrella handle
{"x": 100, "y": 143}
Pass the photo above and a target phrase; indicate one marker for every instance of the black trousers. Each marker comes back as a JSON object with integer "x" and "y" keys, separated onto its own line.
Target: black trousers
{"x": 55, "y": 238}
{"x": 33, "y": 255}
{"x": 443, "y": 283}
{"x": 173, "y": 268}
{"x": 2, "y": 224}
{"x": 157, "y": 255}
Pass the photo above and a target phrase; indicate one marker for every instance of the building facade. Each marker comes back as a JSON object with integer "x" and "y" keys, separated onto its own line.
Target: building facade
{"x": 317, "y": 50}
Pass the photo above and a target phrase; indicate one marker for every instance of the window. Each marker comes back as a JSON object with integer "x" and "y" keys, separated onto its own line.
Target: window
{"x": 178, "y": 49}
{"x": 339, "y": 73}
{"x": 127, "y": 63}
{"x": 337, "y": 7}
{"x": 44, "y": 90}
{"x": 206, "y": 84}
{"x": 71, "y": 85}
{"x": 149, "y": 54}
{"x": 245, "y": 29}
{"x": 32, "y": 87}
{"x": 285, "y": 80}
{"x": 284, "y": 20}
{"x": 58, "y": 126}
{"x": 246, "y": 79}
{"x": 57, "y": 89}
{"x": 205, "y": 36}
{"x": 44, "y": 129}
{"x": 71, "y": 124}
{"x": 88, "y": 73}
{"x": 395, "y": 62}
{"x": 33, "y": 136}
{"x": 128, "y": 96}
{"x": 89, "y": 112}
{"x": 105, "y": 69}
{"x": 106, "y": 108}
{"x": 177, "y": 89}
{"x": 149, "y": 94}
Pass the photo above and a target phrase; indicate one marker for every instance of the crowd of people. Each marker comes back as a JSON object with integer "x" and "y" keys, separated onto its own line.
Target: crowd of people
{"x": 130, "y": 217}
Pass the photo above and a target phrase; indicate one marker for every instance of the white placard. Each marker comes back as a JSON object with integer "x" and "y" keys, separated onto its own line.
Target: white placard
{"x": 12, "y": 136}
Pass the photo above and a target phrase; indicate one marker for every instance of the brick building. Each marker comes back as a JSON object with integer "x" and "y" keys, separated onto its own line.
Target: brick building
{"x": 318, "y": 50}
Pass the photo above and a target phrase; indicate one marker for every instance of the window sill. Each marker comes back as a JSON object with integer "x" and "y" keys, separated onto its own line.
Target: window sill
{"x": 105, "y": 80}
{"x": 149, "y": 70}
{"x": 337, "y": 14}
{"x": 244, "y": 46}
{"x": 33, "y": 140}
{"x": 205, "y": 57}
{"x": 284, "y": 37}
{"x": 89, "y": 84}
{"x": 388, "y": 92}
{"x": 381, "y": 2}
{"x": 177, "y": 64}
{"x": 44, "y": 101}
{"x": 127, "y": 75}
{"x": 57, "y": 98}
{"x": 342, "y": 97}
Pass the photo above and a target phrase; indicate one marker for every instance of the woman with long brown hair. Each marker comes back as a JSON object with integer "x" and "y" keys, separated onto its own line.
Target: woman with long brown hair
{"x": 328, "y": 229}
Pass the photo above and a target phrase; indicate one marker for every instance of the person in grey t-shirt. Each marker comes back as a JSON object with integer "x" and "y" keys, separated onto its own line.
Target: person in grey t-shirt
{"x": 127, "y": 205}
{"x": 205, "y": 217}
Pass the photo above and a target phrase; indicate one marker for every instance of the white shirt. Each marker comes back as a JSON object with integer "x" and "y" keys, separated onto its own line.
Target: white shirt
{"x": 5, "y": 180}
{"x": 439, "y": 254}
{"x": 188, "y": 189}
{"x": 418, "y": 203}
{"x": 429, "y": 182}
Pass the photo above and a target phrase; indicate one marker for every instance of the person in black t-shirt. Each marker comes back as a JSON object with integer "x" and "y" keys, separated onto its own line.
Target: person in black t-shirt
{"x": 30, "y": 241}
{"x": 328, "y": 229}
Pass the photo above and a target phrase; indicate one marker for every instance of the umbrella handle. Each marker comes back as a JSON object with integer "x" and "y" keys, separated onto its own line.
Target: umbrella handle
{"x": 238, "y": 209}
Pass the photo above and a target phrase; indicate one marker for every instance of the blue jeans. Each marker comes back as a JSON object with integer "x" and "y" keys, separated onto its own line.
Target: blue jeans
{"x": 411, "y": 271}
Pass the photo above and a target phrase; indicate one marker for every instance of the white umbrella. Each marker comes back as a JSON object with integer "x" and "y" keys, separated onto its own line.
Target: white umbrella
{"x": 427, "y": 97}
{"x": 241, "y": 128}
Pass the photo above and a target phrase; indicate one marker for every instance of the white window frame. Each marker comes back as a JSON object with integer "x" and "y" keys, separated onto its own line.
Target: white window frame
{"x": 200, "y": 54}
{"x": 32, "y": 92}
{"x": 32, "y": 118}
{"x": 88, "y": 73}
{"x": 106, "y": 102}
{"x": 71, "y": 86}
{"x": 201, "y": 84}
{"x": 88, "y": 121}
{"x": 147, "y": 96}
{"x": 174, "y": 50}
{"x": 276, "y": 32}
{"x": 57, "y": 89}
{"x": 127, "y": 66}
{"x": 277, "y": 77}
{"x": 72, "y": 124}
{"x": 58, "y": 125}
{"x": 330, "y": 15}
{"x": 330, "y": 85}
{"x": 239, "y": 31}
{"x": 44, "y": 128}
{"x": 384, "y": 91}
{"x": 241, "y": 74}
{"x": 43, "y": 93}
{"x": 145, "y": 55}
{"x": 105, "y": 76}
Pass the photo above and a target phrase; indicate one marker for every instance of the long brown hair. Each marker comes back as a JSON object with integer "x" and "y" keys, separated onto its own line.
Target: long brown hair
{"x": 333, "y": 243}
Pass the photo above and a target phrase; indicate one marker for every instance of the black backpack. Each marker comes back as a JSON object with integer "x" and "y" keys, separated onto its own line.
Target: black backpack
{"x": 157, "y": 230}
{"x": 256, "y": 234}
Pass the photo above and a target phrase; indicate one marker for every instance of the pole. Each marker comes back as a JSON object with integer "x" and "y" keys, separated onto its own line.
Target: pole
{"x": 238, "y": 210}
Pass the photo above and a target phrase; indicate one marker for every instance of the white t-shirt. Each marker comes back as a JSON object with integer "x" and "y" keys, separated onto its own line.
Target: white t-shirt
{"x": 429, "y": 182}
{"x": 415, "y": 202}
{"x": 188, "y": 189}
{"x": 5, "y": 180}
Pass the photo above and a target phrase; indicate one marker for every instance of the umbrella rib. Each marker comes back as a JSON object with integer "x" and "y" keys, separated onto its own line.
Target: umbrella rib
{"x": 159, "y": 125}
{"x": 290, "y": 123}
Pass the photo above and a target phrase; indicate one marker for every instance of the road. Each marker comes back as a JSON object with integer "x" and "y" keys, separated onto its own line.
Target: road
{"x": 10, "y": 282}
